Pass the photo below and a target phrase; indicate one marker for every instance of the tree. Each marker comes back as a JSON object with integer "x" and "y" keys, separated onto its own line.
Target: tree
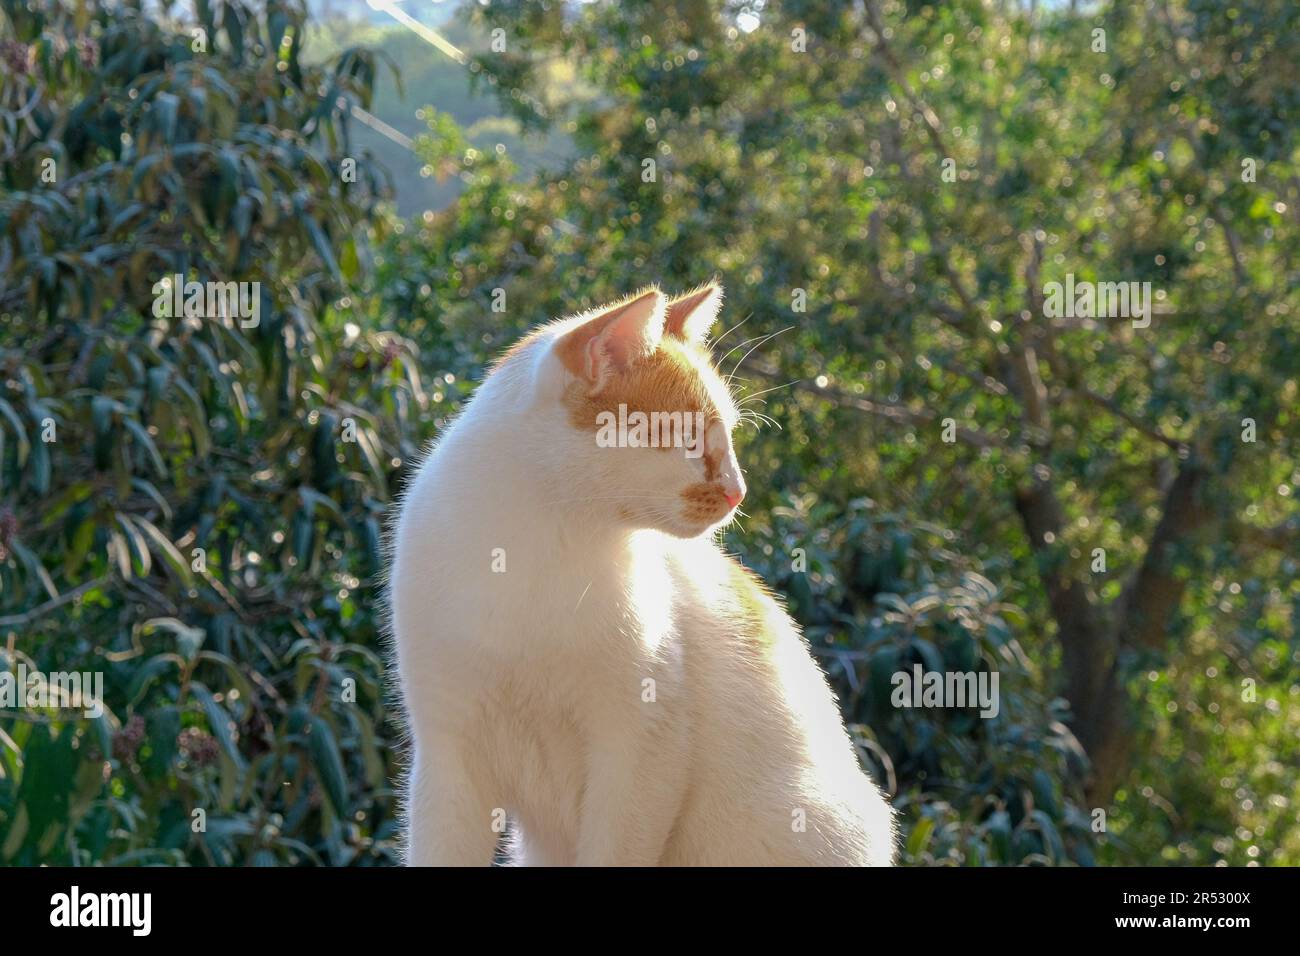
{"x": 193, "y": 485}
{"x": 889, "y": 191}
{"x": 966, "y": 479}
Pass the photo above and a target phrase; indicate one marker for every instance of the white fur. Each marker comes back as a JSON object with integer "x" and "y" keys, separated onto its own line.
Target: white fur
{"x": 527, "y": 691}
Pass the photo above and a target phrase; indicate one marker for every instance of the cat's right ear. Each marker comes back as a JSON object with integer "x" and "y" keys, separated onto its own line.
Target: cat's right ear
{"x": 614, "y": 338}
{"x": 689, "y": 317}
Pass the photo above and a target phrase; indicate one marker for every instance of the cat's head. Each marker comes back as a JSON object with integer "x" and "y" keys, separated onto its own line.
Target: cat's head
{"x": 649, "y": 418}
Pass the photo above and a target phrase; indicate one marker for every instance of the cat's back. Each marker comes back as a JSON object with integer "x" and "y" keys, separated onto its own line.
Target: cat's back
{"x": 462, "y": 495}
{"x": 450, "y": 544}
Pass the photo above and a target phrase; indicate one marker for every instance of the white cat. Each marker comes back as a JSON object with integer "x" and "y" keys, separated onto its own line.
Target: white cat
{"x": 575, "y": 651}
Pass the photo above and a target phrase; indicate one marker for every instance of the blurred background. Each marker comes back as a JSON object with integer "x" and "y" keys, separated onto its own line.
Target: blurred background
{"x": 1101, "y": 513}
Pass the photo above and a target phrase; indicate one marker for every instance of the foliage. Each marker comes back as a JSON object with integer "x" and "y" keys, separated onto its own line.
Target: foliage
{"x": 187, "y": 479}
{"x": 819, "y": 177}
{"x": 794, "y": 176}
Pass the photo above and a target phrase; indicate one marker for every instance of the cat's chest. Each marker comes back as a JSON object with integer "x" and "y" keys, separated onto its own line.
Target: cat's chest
{"x": 529, "y": 586}
{"x": 596, "y": 611}
{"x": 579, "y": 653}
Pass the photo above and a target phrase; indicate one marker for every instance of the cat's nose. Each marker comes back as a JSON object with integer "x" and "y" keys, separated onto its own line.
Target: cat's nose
{"x": 730, "y": 481}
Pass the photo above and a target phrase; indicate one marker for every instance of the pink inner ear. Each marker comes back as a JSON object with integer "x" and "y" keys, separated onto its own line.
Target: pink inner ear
{"x": 634, "y": 332}
{"x": 613, "y": 339}
{"x": 594, "y": 356}
{"x": 691, "y": 316}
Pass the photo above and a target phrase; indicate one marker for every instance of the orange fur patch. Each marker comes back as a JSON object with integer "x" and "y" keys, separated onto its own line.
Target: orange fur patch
{"x": 678, "y": 377}
{"x": 705, "y": 501}
{"x": 667, "y": 381}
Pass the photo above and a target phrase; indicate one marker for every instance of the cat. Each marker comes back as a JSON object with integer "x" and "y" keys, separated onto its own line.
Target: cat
{"x": 577, "y": 655}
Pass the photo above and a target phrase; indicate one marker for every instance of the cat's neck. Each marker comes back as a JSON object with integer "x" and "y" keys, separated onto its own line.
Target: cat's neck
{"x": 510, "y": 490}
{"x": 492, "y": 473}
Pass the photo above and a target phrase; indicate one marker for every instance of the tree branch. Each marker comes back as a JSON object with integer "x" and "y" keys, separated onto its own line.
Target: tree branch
{"x": 1284, "y": 537}
{"x": 1152, "y": 597}
{"x": 893, "y": 411}
{"x": 67, "y": 597}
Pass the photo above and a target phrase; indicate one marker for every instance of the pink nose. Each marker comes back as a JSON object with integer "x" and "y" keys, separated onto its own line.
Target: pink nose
{"x": 733, "y": 497}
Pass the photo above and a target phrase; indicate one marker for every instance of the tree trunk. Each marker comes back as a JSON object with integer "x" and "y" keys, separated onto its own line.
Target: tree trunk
{"x": 1091, "y": 639}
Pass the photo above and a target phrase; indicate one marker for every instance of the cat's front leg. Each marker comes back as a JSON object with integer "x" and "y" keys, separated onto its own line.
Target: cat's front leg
{"x": 449, "y": 819}
{"x": 636, "y": 779}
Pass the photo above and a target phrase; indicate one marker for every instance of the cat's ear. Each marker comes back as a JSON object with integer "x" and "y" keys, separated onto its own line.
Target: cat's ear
{"x": 614, "y": 338}
{"x": 692, "y": 315}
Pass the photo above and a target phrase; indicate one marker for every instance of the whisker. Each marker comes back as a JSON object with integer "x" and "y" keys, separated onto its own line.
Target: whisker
{"x": 714, "y": 343}
{"x": 764, "y": 341}
{"x": 751, "y": 397}
{"x": 584, "y": 594}
{"x": 754, "y": 417}
{"x": 739, "y": 345}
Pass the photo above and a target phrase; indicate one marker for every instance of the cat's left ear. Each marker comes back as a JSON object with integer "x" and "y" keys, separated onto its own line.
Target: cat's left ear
{"x": 692, "y": 315}
{"x": 613, "y": 339}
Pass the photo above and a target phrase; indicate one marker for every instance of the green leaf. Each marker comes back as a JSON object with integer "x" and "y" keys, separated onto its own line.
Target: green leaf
{"x": 150, "y": 671}
{"x": 220, "y": 723}
{"x": 920, "y": 836}
{"x": 166, "y": 106}
{"x": 188, "y": 639}
{"x": 144, "y": 438}
{"x": 24, "y": 446}
{"x": 163, "y": 546}
{"x": 328, "y": 763}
